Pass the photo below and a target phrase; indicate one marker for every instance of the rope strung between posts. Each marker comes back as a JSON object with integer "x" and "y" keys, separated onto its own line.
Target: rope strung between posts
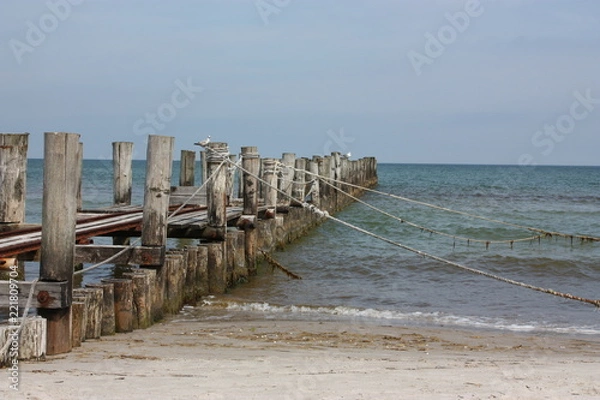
{"x": 543, "y": 232}
{"x": 433, "y": 257}
{"x": 274, "y": 264}
{"x": 466, "y": 268}
{"x": 433, "y": 231}
{"x": 23, "y": 318}
{"x": 137, "y": 241}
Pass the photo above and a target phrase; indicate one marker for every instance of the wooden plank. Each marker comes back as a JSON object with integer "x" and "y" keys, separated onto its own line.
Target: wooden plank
{"x": 187, "y": 195}
{"x": 150, "y": 255}
{"x": 46, "y": 295}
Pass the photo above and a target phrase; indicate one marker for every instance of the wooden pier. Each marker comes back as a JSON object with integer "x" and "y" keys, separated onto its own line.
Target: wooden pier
{"x": 233, "y": 229}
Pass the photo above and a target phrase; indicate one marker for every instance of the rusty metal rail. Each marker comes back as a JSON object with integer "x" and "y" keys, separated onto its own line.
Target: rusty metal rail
{"x": 27, "y": 238}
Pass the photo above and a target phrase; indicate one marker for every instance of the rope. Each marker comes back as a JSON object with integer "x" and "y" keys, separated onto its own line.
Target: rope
{"x": 436, "y": 258}
{"x": 275, "y": 264}
{"x": 543, "y": 232}
{"x": 464, "y": 267}
{"x": 137, "y": 241}
{"x": 429, "y": 230}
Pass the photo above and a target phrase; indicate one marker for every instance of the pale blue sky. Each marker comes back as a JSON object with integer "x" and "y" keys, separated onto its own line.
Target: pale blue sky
{"x": 310, "y": 76}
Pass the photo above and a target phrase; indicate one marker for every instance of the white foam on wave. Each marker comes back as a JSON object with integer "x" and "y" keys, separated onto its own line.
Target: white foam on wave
{"x": 395, "y": 316}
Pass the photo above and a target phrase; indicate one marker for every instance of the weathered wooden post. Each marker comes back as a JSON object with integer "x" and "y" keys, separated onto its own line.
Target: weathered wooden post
{"x": 344, "y": 176}
{"x": 159, "y": 160}
{"x": 335, "y": 175}
{"x": 191, "y": 274}
{"x": 122, "y": 172}
{"x": 204, "y": 166}
{"x": 288, "y": 160}
{"x": 94, "y": 306}
{"x": 325, "y": 171}
{"x": 13, "y": 174}
{"x": 187, "y": 167}
{"x": 108, "y": 307}
{"x": 79, "y": 175}
{"x": 216, "y": 190}
{"x": 231, "y": 171}
{"x": 78, "y": 323}
{"x": 299, "y": 177}
{"x": 217, "y": 268}
{"x": 314, "y": 176}
{"x": 59, "y": 210}
{"x": 202, "y": 271}
{"x": 248, "y": 221}
{"x": 142, "y": 301}
{"x": 270, "y": 186}
{"x": 123, "y": 301}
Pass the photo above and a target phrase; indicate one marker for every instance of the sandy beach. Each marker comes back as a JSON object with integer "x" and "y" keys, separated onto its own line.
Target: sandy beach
{"x": 269, "y": 359}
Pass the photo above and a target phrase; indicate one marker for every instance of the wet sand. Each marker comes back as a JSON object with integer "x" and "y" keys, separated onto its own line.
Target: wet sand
{"x": 269, "y": 359}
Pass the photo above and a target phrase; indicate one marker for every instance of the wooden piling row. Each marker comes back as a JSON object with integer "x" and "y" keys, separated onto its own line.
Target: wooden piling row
{"x": 224, "y": 257}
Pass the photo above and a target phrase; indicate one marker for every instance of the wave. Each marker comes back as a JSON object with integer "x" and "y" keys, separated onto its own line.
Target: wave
{"x": 394, "y": 317}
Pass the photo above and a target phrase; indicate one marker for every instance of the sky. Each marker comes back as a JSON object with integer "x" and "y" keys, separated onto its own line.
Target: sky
{"x": 420, "y": 81}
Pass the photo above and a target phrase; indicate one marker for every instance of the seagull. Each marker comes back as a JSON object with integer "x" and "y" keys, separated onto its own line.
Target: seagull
{"x": 348, "y": 155}
{"x": 204, "y": 142}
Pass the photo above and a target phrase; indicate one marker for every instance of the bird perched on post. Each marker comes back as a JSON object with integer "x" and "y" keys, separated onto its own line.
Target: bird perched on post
{"x": 203, "y": 143}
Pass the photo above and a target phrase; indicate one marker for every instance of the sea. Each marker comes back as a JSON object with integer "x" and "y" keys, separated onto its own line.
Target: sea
{"x": 350, "y": 276}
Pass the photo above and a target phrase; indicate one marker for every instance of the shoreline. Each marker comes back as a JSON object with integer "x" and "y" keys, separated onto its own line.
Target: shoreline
{"x": 258, "y": 358}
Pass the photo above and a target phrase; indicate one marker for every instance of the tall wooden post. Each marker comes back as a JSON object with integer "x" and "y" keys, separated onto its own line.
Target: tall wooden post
{"x": 250, "y": 166}
{"x": 204, "y": 166}
{"x": 231, "y": 171}
{"x": 344, "y": 177}
{"x": 59, "y": 211}
{"x": 314, "y": 188}
{"x": 122, "y": 179}
{"x": 325, "y": 171}
{"x": 288, "y": 160}
{"x": 159, "y": 160}
{"x": 13, "y": 173}
{"x": 299, "y": 176}
{"x": 270, "y": 186}
{"x": 335, "y": 174}
{"x": 122, "y": 172}
{"x": 216, "y": 190}
{"x": 79, "y": 175}
{"x": 187, "y": 166}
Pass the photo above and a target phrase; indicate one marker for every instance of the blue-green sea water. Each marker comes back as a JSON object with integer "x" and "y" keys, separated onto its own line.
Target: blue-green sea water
{"x": 347, "y": 274}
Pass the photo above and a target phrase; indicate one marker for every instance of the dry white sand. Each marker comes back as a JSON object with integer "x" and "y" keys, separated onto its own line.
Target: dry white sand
{"x": 315, "y": 360}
